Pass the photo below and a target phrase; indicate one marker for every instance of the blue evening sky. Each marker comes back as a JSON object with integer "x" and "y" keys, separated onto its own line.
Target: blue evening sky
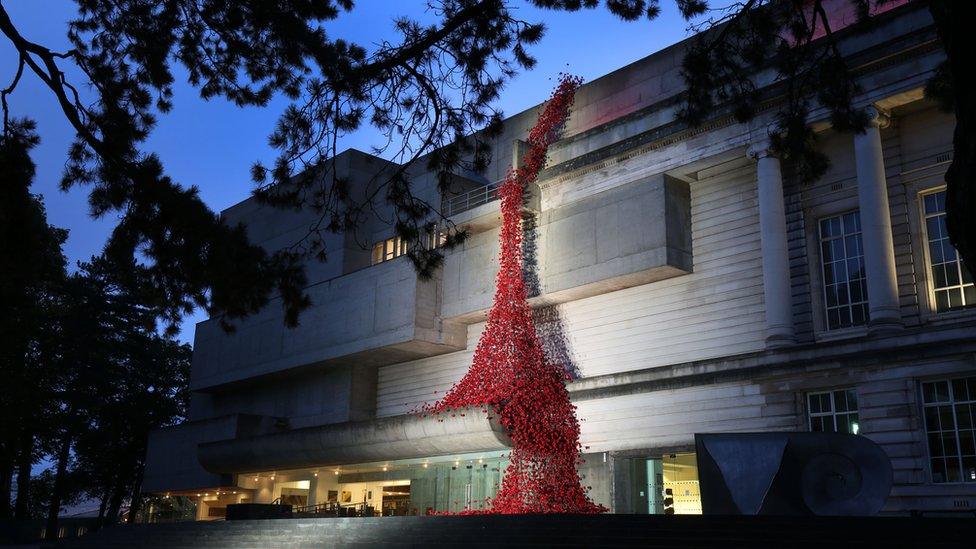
{"x": 212, "y": 144}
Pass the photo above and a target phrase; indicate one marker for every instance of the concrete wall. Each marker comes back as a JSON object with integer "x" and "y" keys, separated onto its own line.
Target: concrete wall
{"x": 383, "y": 308}
{"x": 633, "y": 234}
{"x": 715, "y": 311}
{"x": 326, "y": 395}
{"x": 171, "y": 455}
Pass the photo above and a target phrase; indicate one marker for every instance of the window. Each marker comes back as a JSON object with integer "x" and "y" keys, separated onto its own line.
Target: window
{"x": 388, "y": 249}
{"x": 392, "y": 248}
{"x": 834, "y": 411}
{"x": 845, "y": 286}
{"x": 952, "y": 284}
{"x": 949, "y": 406}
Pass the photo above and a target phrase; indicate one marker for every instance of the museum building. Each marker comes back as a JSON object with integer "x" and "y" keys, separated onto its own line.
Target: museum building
{"x": 684, "y": 275}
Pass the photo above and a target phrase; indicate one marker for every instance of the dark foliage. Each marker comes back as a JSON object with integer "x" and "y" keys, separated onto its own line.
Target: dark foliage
{"x": 85, "y": 375}
{"x": 429, "y": 92}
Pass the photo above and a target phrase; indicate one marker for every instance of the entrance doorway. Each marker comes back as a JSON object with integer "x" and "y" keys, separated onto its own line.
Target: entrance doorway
{"x": 665, "y": 485}
{"x": 679, "y": 475}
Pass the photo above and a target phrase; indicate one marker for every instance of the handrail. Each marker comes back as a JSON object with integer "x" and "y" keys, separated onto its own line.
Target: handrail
{"x": 471, "y": 199}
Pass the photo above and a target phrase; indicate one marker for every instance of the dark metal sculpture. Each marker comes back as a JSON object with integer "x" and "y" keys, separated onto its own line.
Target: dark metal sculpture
{"x": 791, "y": 474}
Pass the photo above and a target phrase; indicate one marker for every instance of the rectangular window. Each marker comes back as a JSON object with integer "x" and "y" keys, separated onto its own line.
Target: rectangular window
{"x": 949, "y": 406}
{"x": 388, "y": 249}
{"x": 834, "y": 411}
{"x": 952, "y": 284}
{"x": 392, "y": 248}
{"x": 845, "y": 285}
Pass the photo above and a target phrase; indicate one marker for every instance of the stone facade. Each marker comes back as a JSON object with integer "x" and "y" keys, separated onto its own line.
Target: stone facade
{"x": 682, "y": 273}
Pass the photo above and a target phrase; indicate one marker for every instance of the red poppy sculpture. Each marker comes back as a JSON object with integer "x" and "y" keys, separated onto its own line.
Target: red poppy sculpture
{"x": 510, "y": 375}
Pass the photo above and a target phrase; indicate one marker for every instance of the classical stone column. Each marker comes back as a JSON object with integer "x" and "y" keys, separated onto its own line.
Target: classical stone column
{"x": 879, "y": 253}
{"x": 775, "y": 255}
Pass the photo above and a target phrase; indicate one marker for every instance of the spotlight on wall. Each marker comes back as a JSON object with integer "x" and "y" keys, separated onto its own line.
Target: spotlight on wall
{"x": 384, "y": 468}
{"x": 425, "y": 465}
{"x": 315, "y": 474}
{"x": 337, "y": 471}
{"x": 198, "y": 495}
{"x": 255, "y": 479}
{"x": 480, "y": 460}
{"x": 272, "y": 477}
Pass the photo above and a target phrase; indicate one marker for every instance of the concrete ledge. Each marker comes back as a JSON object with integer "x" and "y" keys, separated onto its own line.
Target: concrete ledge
{"x": 400, "y": 437}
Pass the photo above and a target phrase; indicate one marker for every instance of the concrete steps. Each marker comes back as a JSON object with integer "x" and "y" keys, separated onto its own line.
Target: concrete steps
{"x": 540, "y": 530}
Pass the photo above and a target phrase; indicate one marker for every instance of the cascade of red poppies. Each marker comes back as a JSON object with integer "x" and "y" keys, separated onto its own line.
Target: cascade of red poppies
{"x": 510, "y": 375}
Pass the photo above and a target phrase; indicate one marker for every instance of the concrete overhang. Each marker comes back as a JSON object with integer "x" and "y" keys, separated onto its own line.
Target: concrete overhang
{"x": 394, "y": 438}
{"x": 632, "y": 234}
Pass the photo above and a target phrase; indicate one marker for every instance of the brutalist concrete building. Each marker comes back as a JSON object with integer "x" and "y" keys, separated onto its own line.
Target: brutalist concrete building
{"x": 692, "y": 283}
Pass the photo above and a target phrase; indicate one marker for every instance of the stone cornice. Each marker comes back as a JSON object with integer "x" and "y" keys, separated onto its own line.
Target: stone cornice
{"x": 891, "y": 52}
{"x": 917, "y": 343}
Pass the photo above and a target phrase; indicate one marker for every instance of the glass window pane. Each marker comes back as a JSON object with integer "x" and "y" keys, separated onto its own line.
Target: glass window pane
{"x": 955, "y": 298}
{"x": 935, "y": 252}
{"x": 825, "y": 228}
{"x": 948, "y": 251}
{"x": 814, "y": 401}
{"x": 964, "y": 416}
{"x": 967, "y": 446}
{"x": 969, "y": 469}
{"x": 952, "y": 274}
{"x": 953, "y": 474}
{"x": 960, "y": 390}
{"x": 946, "y": 419}
{"x": 938, "y": 470}
{"x": 939, "y": 276}
{"x": 840, "y": 401}
{"x": 932, "y": 420}
{"x": 935, "y": 445}
{"x": 845, "y": 317}
{"x": 833, "y": 319}
{"x": 933, "y": 228}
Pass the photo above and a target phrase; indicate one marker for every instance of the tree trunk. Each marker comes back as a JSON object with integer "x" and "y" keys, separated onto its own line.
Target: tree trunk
{"x": 25, "y": 461}
{"x": 102, "y": 508}
{"x": 103, "y": 505}
{"x": 135, "y": 496}
{"x": 6, "y": 480}
{"x": 115, "y": 504}
{"x": 952, "y": 23}
{"x": 57, "y": 494}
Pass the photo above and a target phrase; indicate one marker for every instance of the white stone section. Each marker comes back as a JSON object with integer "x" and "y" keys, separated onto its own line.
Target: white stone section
{"x": 879, "y": 255}
{"x": 776, "y": 261}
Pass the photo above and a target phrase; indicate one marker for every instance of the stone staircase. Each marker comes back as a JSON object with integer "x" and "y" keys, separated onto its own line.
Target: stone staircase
{"x": 544, "y": 531}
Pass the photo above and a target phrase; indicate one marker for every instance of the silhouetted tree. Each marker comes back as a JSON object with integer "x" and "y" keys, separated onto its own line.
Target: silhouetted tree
{"x": 85, "y": 374}
{"x": 429, "y": 92}
{"x": 117, "y": 380}
{"x": 31, "y": 268}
